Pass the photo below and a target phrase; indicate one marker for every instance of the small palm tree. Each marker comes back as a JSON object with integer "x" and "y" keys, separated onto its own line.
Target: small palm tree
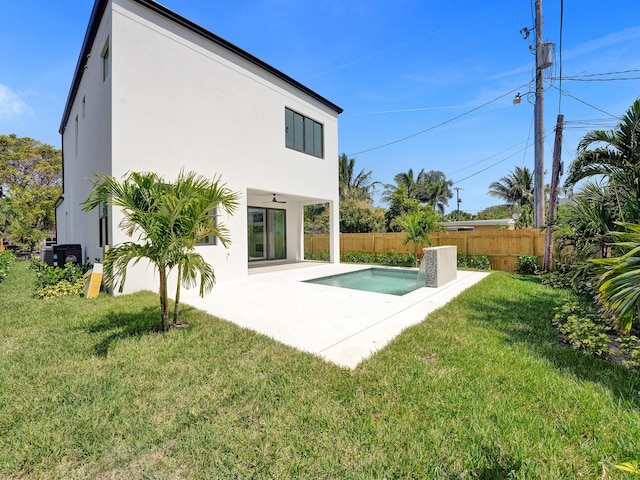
{"x": 619, "y": 286}
{"x": 168, "y": 220}
{"x": 418, "y": 226}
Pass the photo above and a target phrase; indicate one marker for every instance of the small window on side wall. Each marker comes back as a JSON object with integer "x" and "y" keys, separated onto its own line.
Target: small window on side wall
{"x": 106, "y": 61}
{"x": 210, "y": 239}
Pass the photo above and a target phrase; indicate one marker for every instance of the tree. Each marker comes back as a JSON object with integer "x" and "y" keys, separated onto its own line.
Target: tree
{"x": 430, "y": 188}
{"x": 418, "y": 225}
{"x": 354, "y": 187}
{"x": 168, "y": 220}
{"x": 30, "y": 184}
{"x": 399, "y": 204}
{"x": 516, "y": 188}
{"x": 361, "y": 217}
{"x": 436, "y": 190}
{"x": 617, "y": 160}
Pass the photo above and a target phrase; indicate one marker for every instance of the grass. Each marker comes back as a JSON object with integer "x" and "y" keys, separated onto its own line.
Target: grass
{"x": 481, "y": 389}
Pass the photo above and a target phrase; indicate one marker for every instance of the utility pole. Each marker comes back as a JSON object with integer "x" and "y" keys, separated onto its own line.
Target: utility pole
{"x": 538, "y": 173}
{"x": 458, "y": 201}
{"x": 553, "y": 196}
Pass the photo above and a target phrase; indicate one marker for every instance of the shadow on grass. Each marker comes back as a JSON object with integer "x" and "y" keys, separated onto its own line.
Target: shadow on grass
{"x": 121, "y": 325}
{"x": 530, "y": 324}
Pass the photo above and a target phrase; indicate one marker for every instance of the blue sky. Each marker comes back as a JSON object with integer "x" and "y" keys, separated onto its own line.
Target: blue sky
{"x": 399, "y": 69}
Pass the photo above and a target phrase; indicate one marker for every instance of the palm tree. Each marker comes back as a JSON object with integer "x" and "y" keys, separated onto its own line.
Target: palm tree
{"x": 617, "y": 160}
{"x": 619, "y": 286}
{"x": 411, "y": 185}
{"x": 515, "y": 188}
{"x": 436, "y": 190}
{"x": 168, "y": 220}
{"x": 418, "y": 226}
{"x": 358, "y": 187}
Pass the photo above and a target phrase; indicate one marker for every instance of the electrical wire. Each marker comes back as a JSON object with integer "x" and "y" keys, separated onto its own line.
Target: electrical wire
{"x": 566, "y": 92}
{"x": 438, "y": 125}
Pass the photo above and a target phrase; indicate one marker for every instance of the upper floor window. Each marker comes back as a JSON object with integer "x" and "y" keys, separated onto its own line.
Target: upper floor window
{"x": 303, "y": 134}
{"x": 106, "y": 62}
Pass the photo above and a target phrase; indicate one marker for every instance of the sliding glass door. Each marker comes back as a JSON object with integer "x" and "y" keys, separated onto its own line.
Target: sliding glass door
{"x": 267, "y": 229}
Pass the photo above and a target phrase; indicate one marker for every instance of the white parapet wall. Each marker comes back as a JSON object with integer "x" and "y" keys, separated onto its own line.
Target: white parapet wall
{"x": 440, "y": 265}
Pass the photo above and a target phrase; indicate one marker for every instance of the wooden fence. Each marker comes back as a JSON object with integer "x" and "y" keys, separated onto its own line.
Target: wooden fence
{"x": 503, "y": 247}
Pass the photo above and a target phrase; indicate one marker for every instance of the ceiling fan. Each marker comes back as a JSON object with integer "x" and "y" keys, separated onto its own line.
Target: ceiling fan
{"x": 275, "y": 200}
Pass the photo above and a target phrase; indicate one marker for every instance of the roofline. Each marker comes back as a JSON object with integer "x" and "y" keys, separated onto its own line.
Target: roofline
{"x": 94, "y": 22}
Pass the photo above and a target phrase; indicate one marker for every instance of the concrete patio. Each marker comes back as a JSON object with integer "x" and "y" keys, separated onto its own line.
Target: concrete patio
{"x": 341, "y": 325}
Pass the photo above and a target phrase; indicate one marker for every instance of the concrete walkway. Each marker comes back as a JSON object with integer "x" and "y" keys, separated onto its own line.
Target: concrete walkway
{"x": 341, "y": 325}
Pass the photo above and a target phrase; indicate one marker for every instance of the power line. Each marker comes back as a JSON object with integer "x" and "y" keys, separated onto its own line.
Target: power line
{"x": 439, "y": 124}
{"x": 565, "y": 92}
{"x": 455, "y": 182}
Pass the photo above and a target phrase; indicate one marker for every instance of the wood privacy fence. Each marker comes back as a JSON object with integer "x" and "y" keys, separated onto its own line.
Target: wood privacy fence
{"x": 503, "y": 247}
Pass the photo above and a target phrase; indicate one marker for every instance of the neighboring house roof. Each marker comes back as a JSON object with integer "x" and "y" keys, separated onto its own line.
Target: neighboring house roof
{"x": 94, "y": 23}
{"x": 479, "y": 223}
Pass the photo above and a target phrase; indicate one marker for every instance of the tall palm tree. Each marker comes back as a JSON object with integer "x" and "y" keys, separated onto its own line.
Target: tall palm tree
{"x": 436, "y": 190}
{"x": 412, "y": 185}
{"x": 516, "y": 188}
{"x": 617, "y": 160}
{"x": 354, "y": 187}
{"x": 168, "y": 220}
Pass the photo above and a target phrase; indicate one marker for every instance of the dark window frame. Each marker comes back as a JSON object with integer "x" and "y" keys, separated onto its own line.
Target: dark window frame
{"x": 302, "y": 132}
{"x": 210, "y": 240}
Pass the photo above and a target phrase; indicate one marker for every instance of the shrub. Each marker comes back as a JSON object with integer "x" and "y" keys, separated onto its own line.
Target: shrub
{"x": 481, "y": 262}
{"x": 61, "y": 289}
{"x": 579, "y": 278}
{"x": 396, "y": 259}
{"x": 359, "y": 257}
{"x": 7, "y": 259}
{"x": 527, "y": 265}
{"x": 582, "y": 329}
{"x": 463, "y": 260}
{"x": 56, "y": 281}
{"x": 319, "y": 255}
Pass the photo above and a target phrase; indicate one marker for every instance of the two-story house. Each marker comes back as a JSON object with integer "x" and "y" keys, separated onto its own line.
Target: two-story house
{"x": 153, "y": 91}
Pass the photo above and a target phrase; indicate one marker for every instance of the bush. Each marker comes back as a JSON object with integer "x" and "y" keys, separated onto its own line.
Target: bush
{"x": 579, "y": 278}
{"x": 582, "y": 329}
{"x": 481, "y": 262}
{"x": 463, "y": 260}
{"x": 56, "y": 281}
{"x": 7, "y": 259}
{"x": 319, "y": 255}
{"x": 396, "y": 259}
{"x": 359, "y": 257}
{"x": 527, "y": 265}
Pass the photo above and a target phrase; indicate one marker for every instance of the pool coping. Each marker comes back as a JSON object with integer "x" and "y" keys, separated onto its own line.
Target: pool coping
{"x": 342, "y": 325}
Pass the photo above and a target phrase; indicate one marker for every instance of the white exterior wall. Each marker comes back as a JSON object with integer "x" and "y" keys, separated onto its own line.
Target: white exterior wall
{"x": 178, "y": 100}
{"x": 86, "y": 147}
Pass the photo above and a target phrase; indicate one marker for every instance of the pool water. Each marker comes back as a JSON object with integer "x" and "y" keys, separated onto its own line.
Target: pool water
{"x": 392, "y": 281}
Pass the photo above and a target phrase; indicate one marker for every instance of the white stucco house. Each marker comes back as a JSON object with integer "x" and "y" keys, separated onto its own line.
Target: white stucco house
{"x": 153, "y": 91}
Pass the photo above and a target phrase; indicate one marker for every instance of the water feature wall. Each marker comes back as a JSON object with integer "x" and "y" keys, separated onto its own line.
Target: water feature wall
{"x": 439, "y": 265}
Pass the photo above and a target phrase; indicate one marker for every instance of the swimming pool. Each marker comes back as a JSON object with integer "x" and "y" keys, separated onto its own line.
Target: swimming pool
{"x": 392, "y": 281}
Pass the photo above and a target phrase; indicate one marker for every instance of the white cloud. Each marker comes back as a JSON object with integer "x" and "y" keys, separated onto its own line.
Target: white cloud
{"x": 11, "y": 105}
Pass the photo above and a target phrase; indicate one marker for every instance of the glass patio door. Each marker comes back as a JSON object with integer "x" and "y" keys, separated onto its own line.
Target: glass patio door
{"x": 267, "y": 233}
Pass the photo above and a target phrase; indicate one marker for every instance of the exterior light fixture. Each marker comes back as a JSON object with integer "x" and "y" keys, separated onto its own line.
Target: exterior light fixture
{"x": 517, "y": 99}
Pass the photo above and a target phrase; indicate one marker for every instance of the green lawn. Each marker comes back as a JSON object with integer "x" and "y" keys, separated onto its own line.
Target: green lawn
{"x": 481, "y": 389}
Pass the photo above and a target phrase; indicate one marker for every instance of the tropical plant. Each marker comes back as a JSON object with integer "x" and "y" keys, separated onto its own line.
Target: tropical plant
{"x": 418, "y": 226}
{"x": 516, "y": 188}
{"x": 436, "y": 190}
{"x": 361, "y": 217}
{"x": 167, "y": 221}
{"x": 619, "y": 285}
{"x": 617, "y": 159}
{"x": 353, "y": 186}
{"x": 527, "y": 265}
{"x": 408, "y": 183}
